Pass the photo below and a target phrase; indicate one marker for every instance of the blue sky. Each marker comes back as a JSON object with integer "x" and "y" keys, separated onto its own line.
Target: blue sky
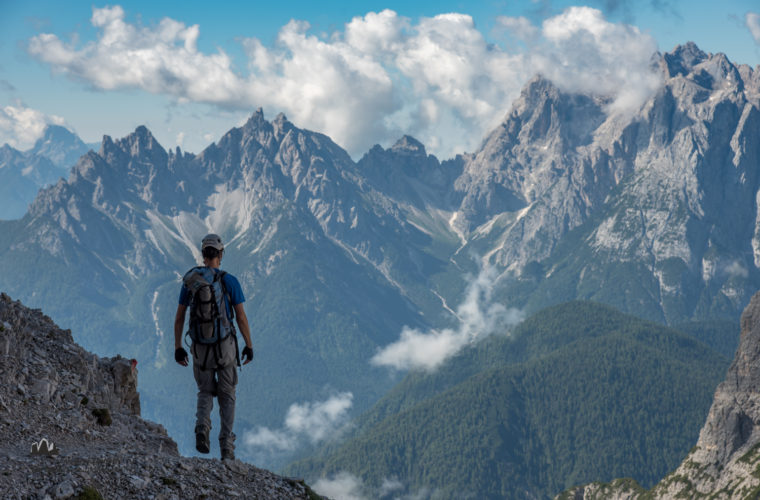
{"x": 361, "y": 72}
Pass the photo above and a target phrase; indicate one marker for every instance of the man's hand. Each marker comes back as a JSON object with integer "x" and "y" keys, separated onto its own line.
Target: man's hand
{"x": 180, "y": 356}
{"x": 247, "y": 355}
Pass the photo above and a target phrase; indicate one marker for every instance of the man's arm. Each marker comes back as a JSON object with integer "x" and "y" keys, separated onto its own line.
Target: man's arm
{"x": 179, "y": 324}
{"x": 242, "y": 322}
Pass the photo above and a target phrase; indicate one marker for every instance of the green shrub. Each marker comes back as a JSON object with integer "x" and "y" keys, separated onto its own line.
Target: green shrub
{"x": 89, "y": 493}
{"x": 103, "y": 415}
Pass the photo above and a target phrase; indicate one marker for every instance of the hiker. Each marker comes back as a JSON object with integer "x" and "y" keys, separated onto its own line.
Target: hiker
{"x": 214, "y": 342}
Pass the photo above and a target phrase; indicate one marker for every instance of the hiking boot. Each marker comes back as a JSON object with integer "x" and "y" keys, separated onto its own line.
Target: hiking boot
{"x": 201, "y": 440}
{"x": 228, "y": 454}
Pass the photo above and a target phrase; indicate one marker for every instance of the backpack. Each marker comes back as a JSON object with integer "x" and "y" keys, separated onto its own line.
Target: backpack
{"x": 209, "y": 323}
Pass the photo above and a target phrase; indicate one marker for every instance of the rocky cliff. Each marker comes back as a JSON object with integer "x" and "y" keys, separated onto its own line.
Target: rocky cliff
{"x": 725, "y": 463}
{"x": 70, "y": 425}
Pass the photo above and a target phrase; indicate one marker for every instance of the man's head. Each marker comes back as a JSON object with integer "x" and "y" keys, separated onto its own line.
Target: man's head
{"x": 212, "y": 247}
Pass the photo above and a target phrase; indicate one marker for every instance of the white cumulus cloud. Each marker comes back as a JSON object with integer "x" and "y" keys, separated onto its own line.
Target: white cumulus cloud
{"x": 21, "y": 126}
{"x": 312, "y": 421}
{"x": 752, "y": 20}
{"x": 478, "y": 317}
{"x": 326, "y": 85}
{"x": 162, "y": 59}
{"x": 380, "y": 76}
{"x": 346, "y": 486}
{"x": 585, "y": 53}
{"x": 341, "y": 486}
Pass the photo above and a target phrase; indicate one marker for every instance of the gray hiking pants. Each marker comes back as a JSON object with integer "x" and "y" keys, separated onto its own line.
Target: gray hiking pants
{"x": 218, "y": 379}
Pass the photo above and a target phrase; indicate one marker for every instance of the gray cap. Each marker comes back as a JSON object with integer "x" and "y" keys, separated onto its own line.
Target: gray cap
{"x": 213, "y": 241}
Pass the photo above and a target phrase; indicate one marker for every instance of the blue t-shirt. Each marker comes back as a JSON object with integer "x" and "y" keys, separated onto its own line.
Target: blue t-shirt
{"x": 231, "y": 286}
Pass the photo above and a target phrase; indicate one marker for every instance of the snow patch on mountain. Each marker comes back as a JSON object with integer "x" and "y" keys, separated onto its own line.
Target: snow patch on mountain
{"x": 457, "y": 230}
{"x": 230, "y": 209}
{"x": 185, "y": 229}
{"x": 160, "y": 360}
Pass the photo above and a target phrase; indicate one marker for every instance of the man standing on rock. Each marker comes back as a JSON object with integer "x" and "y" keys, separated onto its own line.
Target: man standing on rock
{"x": 214, "y": 344}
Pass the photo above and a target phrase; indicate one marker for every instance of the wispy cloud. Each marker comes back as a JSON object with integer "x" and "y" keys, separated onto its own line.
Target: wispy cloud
{"x": 381, "y": 75}
{"x": 341, "y": 486}
{"x": 310, "y": 421}
{"x": 346, "y": 486}
{"x": 752, "y": 20}
{"x": 21, "y": 126}
{"x": 478, "y": 316}
{"x": 737, "y": 269}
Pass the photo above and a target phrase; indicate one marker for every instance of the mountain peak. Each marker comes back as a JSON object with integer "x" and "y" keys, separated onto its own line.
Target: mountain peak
{"x": 60, "y": 145}
{"x": 409, "y": 145}
{"x": 534, "y": 94}
{"x": 257, "y": 123}
{"x": 55, "y": 133}
{"x": 281, "y": 126}
{"x": 280, "y": 119}
{"x": 256, "y": 120}
{"x": 682, "y": 59}
{"x": 142, "y": 142}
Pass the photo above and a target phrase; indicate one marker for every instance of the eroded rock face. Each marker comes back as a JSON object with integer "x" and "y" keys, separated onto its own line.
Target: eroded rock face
{"x": 726, "y": 460}
{"x": 735, "y": 414}
{"x": 87, "y": 409}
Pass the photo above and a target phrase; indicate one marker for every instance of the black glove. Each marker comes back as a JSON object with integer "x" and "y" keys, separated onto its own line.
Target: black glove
{"x": 180, "y": 356}
{"x": 247, "y": 354}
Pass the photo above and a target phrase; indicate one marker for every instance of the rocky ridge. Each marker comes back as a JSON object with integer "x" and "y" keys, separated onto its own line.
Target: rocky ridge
{"x": 725, "y": 463}
{"x": 88, "y": 409}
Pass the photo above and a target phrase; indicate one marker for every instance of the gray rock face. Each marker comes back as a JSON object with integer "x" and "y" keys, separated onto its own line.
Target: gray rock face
{"x": 726, "y": 460}
{"x": 88, "y": 410}
{"x": 406, "y": 174}
{"x": 735, "y": 412}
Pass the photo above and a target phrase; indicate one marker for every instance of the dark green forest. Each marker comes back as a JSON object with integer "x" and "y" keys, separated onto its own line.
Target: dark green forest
{"x": 576, "y": 393}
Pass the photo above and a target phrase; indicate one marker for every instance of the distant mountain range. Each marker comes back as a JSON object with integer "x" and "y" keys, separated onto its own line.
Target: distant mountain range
{"x": 652, "y": 212}
{"x": 24, "y": 173}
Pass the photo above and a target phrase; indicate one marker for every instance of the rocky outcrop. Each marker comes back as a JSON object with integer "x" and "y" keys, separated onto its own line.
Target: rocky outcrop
{"x": 70, "y": 425}
{"x": 725, "y": 463}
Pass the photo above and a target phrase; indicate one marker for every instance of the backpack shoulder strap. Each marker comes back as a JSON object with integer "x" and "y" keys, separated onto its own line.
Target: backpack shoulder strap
{"x": 226, "y": 293}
